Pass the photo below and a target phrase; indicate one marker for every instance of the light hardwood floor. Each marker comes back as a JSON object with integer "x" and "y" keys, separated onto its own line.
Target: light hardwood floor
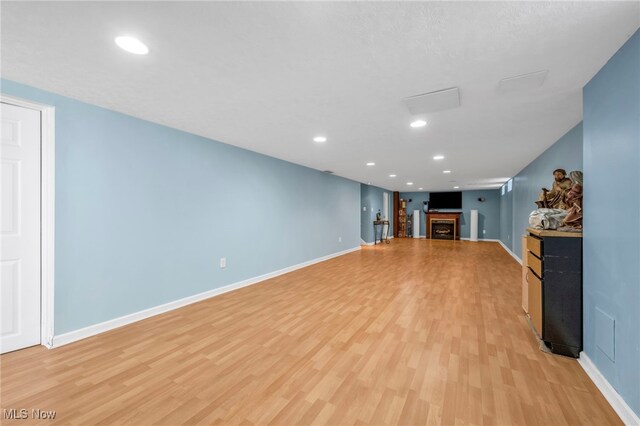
{"x": 414, "y": 332}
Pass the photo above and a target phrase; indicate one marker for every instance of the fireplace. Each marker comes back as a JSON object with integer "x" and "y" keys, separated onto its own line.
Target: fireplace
{"x": 444, "y": 218}
{"x": 443, "y": 229}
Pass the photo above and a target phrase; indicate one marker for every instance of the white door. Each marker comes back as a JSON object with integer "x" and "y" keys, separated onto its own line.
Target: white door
{"x": 385, "y": 205}
{"x": 20, "y": 228}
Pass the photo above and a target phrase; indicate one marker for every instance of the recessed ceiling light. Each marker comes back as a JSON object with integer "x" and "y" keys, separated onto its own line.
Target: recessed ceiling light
{"x": 409, "y": 183}
{"x": 446, "y": 171}
{"x": 456, "y": 187}
{"x": 371, "y": 164}
{"x": 418, "y": 123}
{"x": 438, "y": 157}
{"x": 392, "y": 175}
{"x": 320, "y": 139}
{"x": 420, "y": 189}
{"x": 132, "y": 45}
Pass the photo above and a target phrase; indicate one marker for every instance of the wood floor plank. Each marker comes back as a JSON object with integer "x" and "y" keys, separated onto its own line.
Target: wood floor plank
{"x": 414, "y": 332}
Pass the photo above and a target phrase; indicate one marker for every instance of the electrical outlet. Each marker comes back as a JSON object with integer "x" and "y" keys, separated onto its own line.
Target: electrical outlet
{"x": 364, "y": 209}
{"x": 339, "y": 239}
{"x": 223, "y": 262}
{"x": 484, "y": 231}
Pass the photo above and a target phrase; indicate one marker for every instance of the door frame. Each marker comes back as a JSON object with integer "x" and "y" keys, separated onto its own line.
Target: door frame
{"x": 47, "y": 212}
{"x": 385, "y": 205}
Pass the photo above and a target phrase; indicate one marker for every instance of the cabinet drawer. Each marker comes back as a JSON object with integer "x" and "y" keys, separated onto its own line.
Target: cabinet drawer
{"x": 534, "y": 264}
{"x": 535, "y": 301}
{"x": 534, "y": 245}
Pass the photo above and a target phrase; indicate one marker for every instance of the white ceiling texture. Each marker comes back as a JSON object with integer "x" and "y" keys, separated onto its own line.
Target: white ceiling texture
{"x": 270, "y": 76}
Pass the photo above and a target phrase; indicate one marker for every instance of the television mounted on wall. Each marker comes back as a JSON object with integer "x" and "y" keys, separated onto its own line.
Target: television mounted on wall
{"x": 445, "y": 200}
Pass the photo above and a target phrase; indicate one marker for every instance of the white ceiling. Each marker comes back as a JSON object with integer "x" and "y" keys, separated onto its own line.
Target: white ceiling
{"x": 269, "y": 76}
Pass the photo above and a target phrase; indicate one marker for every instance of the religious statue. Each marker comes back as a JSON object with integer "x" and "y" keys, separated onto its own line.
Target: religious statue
{"x": 566, "y": 196}
{"x": 573, "y": 220}
{"x": 556, "y": 197}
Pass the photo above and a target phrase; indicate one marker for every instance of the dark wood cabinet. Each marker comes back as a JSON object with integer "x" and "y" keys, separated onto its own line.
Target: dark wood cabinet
{"x": 554, "y": 261}
{"x": 396, "y": 209}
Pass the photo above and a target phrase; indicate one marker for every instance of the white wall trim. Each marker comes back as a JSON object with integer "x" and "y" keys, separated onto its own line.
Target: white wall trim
{"x": 510, "y": 252}
{"x": 92, "y": 330}
{"x": 617, "y": 403}
{"x": 47, "y": 211}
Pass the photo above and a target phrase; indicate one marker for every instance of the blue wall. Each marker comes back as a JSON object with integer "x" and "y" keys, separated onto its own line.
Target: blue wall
{"x": 566, "y": 154}
{"x": 488, "y": 211}
{"x": 612, "y": 221}
{"x": 370, "y": 203}
{"x": 144, "y": 212}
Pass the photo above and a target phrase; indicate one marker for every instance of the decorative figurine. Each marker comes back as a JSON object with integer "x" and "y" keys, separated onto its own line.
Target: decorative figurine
{"x": 555, "y": 198}
{"x": 566, "y": 195}
{"x": 573, "y": 220}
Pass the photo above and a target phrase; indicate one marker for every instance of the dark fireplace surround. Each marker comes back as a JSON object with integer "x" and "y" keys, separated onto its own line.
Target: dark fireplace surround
{"x": 443, "y": 229}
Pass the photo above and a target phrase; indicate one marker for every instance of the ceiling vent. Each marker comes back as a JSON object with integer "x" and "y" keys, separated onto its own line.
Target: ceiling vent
{"x": 533, "y": 80}
{"x": 433, "y": 101}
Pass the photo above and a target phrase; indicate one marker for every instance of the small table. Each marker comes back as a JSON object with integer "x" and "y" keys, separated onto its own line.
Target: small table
{"x": 380, "y": 223}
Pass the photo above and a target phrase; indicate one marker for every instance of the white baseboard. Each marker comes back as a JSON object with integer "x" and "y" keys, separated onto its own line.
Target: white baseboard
{"x": 618, "y": 404}
{"x": 510, "y": 252}
{"x": 92, "y": 330}
{"x": 493, "y": 240}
